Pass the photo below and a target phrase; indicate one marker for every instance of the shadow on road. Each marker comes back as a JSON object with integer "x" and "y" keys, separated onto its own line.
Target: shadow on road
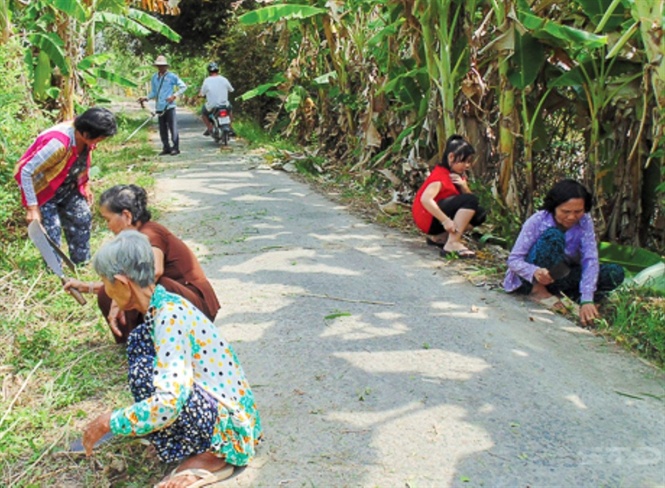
{"x": 374, "y": 365}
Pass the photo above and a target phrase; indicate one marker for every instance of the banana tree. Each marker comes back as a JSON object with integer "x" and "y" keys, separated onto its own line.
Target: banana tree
{"x": 446, "y": 57}
{"x": 503, "y": 43}
{"x": 649, "y": 16}
{"x": 55, "y": 30}
{"x": 527, "y": 62}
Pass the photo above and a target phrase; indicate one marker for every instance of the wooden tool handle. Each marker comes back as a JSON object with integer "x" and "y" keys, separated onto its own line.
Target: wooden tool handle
{"x": 75, "y": 293}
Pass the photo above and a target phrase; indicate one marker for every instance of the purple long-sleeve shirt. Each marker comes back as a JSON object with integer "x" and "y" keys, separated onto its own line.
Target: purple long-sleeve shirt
{"x": 580, "y": 248}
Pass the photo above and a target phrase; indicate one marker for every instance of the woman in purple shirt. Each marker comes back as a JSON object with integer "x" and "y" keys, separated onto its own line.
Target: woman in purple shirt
{"x": 561, "y": 234}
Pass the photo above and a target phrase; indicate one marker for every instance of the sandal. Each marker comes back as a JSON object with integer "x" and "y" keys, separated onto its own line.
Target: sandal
{"x": 206, "y": 478}
{"x": 432, "y": 242}
{"x": 458, "y": 253}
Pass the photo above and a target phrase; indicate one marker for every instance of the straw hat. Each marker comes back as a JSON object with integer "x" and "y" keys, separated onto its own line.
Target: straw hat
{"x": 160, "y": 61}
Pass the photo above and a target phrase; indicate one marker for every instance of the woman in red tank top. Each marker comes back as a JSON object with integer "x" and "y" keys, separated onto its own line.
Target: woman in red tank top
{"x": 444, "y": 205}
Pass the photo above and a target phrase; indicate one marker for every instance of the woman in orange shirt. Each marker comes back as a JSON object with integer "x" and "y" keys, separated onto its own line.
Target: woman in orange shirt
{"x": 125, "y": 207}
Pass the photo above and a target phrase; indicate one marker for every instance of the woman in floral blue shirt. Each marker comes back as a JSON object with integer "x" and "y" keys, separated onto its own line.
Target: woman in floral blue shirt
{"x": 192, "y": 400}
{"x": 562, "y": 233}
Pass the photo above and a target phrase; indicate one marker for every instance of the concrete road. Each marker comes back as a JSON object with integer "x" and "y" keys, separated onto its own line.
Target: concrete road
{"x": 376, "y": 366}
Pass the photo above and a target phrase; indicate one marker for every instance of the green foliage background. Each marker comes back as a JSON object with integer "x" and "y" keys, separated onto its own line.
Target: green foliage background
{"x": 20, "y": 121}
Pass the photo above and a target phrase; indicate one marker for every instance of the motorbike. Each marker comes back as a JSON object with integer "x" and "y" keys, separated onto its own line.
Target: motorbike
{"x": 220, "y": 117}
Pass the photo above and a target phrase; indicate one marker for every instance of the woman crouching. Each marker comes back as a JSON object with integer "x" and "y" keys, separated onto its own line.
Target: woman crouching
{"x": 444, "y": 206}
{"x": 556, "y": 252}
{"x": 192, "y": 399}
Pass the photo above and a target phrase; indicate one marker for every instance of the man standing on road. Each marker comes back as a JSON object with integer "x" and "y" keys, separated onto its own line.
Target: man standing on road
{"x": 165, "y": 87}
{"x": 215, "y": 89}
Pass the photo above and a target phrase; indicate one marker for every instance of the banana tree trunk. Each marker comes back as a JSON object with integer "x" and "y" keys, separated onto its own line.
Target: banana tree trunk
{"x": 507, "y": 129}
{"x": 90, "y": 41}
{"x": 505, "y": 185}
{"x": 651, "y": 13}
{"x": 68, "y": 88}
{"x": 340, "y": 68}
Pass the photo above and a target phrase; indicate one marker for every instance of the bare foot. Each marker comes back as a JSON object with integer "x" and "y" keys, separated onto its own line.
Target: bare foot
{"x": 205, "y": 461}
{"x": 539, "y": 292}
{"x": 548, "y": 300}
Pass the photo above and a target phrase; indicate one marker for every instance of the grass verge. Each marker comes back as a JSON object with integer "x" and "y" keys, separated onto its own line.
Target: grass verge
{"x": 59, "y": 365}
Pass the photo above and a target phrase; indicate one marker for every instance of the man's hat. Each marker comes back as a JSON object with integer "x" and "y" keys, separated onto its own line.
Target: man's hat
{"x": 160, "y": 61}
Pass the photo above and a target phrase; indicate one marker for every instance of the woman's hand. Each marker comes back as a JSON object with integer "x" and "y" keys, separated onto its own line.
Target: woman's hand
{"x": 542, "y": 276}
{"x": 460, "y": 182}
{"x": 457, "y": 179}
{"x": 449, "y": 226}
{"x": 72, "y": 283}
{"x": 95, "y": 430}
{"x": 33, "y": 213}
{"x": 89, "y": 196}
{"x": 588, "y": 313}
{"x": 116, "y": 316}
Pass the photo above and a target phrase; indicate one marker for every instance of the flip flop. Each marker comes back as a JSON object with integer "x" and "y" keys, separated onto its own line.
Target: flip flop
{"x": 206, "y": 478}
{"x": 431, "y": 242}
{"x": 458, "y": 253}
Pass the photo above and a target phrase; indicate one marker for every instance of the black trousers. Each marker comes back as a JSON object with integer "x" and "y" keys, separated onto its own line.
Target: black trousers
{"x": 168, "y": 124}
{"x": 451, "y": 205}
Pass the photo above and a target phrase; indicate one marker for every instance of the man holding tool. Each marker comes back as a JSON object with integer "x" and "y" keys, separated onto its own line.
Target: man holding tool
{"x": 165, "y": 87}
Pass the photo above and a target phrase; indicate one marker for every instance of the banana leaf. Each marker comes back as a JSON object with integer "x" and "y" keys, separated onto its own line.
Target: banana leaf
{"x": 275, "y": 13}
{"x": 633, "y": 259}
{"x": 94, "y": 60}
{"x": 561, "y": 34}
{"x": 263, "y": 89}
{"x": 653, "y": 278}
{"x": 124, "y": 23}
{"x": 325, "y": 79}
{"x": 154, "y": 24}
{"x": 529, "y": 57}
{"x": 295, "y": 99}
{"x": 51, "y": 44}
{"x": 604, "y": 13}
{"x": 42, "y": 76}
{"x": 112, "y": 77}
{"x": 116, "y": 6}
{"x": 72, "y": 8}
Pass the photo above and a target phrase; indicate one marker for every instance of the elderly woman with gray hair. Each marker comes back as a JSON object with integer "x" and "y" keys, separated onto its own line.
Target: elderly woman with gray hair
{"x": 192, "y": 400}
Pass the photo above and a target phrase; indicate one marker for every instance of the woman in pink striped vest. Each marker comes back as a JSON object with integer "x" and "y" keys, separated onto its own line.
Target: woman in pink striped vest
{"x": 53, "y": 178}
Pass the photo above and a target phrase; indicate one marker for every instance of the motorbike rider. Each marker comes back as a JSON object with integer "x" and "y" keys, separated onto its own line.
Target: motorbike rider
{"x": 215, "y": 89}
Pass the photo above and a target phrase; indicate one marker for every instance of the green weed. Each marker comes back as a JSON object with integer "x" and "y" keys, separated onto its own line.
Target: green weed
{"x": 256, "y": 136}
{"x": 635, "y": 318}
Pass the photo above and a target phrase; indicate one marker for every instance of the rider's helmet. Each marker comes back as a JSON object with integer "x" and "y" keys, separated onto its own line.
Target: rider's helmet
{"x": 213, "y": 68}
